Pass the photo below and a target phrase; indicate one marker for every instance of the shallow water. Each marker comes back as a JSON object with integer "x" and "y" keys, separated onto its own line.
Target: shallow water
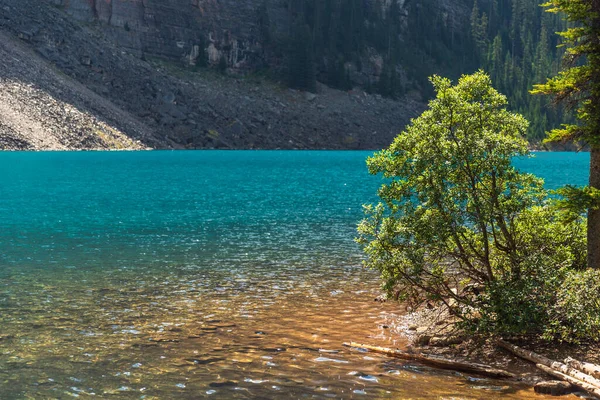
{"x": 203, "y": 274}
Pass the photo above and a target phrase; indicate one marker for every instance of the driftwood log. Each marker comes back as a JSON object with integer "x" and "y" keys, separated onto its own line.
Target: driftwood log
{"x": 588, "y": 368}
{"x": 586, "y": 386}
{"x": 555, "y": 365}
{"x": 436, "y": 361}
{"x": 559, "y": 369}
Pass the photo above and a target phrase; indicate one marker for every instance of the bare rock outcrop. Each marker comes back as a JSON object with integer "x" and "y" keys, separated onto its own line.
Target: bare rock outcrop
{"x": 42, "y": 110}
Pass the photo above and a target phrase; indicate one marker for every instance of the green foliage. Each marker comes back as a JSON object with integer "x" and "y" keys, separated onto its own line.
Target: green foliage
{"x": 575, "y": 313}
{"x": 575, "y": 201}
{"x": 518, "y": 51}
{"x": 456, "y": 215}
{"x": 549, "y": 249}
{"x": 479, "y": 27}
{"x": 453, "y": 194}
{"x": 578, "y": 86}
{"x": 511, "y": 39}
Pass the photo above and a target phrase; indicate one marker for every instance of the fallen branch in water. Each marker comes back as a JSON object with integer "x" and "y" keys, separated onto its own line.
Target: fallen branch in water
{"x": 586, "y": 386}
{"x": 436, "y": 361}
{"x": 554, "y": 365}
{"x": 588, "y": 368}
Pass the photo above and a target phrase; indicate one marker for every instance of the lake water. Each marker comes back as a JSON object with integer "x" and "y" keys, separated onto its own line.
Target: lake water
{"x": 162, "y": 275}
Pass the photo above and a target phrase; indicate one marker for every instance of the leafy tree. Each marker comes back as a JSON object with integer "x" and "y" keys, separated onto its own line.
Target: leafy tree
{"x": 456, "y": 214}
{"x": 578, "y": 86}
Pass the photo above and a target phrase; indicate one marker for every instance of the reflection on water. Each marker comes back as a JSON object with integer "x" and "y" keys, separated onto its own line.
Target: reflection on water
{"x": 187, "y": 333}
{"x": 198, "y": 274}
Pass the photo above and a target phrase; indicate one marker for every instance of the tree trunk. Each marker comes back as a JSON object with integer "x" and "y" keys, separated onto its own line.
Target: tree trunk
{"x": 554, "y": 365}
{"x": 437, "y": 361}
{"x": 593, "y": 224}
{"x": 588, "y": 368}
{"x": 589, "y": 388}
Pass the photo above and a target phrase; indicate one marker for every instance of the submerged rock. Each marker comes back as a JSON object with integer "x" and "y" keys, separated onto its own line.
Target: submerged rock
{"x": 222, "y": 384}
{"x": 205, "y": 361}
{"x": 446, "y": 341}
{"x": 423, "y": 340}
{"x": 554, "y": 388}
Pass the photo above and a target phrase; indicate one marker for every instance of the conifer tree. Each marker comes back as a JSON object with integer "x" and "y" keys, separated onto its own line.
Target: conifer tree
{"x": 496, "y": 60}
{"x": 578, "y": 86}
{"x": 222, "y": 67}
{"x": 301, "y": 71}
{"x": 508, "y": 38}
{"x": 201, "y": 60}
{"x": 479, "y": 28}
{"x": 264, "y": 24}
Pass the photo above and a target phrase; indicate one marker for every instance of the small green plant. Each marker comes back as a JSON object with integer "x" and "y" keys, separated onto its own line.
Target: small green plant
{"x": 213, "y": 134}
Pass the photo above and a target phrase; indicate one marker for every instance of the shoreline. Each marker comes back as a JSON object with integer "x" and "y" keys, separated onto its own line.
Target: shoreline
{"x": 134, "y": 150}
{"x": 428, "y": 331}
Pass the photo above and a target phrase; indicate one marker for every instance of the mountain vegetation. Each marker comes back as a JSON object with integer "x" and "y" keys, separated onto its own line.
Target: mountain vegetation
{"x": 512, "y": 40}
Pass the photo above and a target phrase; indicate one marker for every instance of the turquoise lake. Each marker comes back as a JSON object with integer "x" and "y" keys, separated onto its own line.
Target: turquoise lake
{"x": 218, "y": 274}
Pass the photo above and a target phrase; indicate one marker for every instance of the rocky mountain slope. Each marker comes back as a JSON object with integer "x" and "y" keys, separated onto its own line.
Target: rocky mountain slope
{"x": 42, "y": 109}
{"x": 65, "y": 83}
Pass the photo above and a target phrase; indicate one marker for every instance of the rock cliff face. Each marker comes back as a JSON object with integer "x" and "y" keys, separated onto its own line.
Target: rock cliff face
{"x": 118, "y": 99}
{"x": 229, "y": 29}
{"x": 181, "y": 29}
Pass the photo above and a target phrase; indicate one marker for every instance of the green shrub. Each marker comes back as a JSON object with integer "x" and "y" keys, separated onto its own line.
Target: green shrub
{"x": 575, "y": 314}
{"x": 548, "y": 249}
{"x": 457, "y": 216}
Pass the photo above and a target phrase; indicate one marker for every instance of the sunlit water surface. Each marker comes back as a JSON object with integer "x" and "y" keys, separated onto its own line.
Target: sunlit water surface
{"x": 186, "y": 275}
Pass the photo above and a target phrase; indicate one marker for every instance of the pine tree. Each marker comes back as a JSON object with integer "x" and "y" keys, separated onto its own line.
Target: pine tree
{"x": 578, "y": 86}
{"x": 479, "y": 28}
{"x": 201, "y": 60}
{"x": 509, "y": 38}
{"x": 264, "y": 24}
{"x": 338, "y": 75}
{"x": 301, "y": 71}
{"x": 496, "y": 61}
{"x": 222, "y": 67}
{"x": 542, "y": 54}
